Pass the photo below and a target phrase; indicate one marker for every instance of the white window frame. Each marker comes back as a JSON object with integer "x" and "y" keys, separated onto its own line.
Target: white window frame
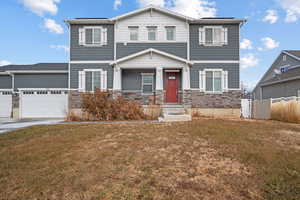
{"x": 284, "y": 58}
{"x": 103, "y": 32}
{"x": 142, "y": 89}
{"x": 152, "y": 27}
{"x": 133, "y": 29}
{"x": 174, "y": 33}
{"x": 223, "y": 89}
{"x": 103, "y": 80}
{"x": 224, "y": 36}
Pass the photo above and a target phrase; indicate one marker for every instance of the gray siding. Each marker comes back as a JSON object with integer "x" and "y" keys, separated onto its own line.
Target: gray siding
{"x": 227, "y": 52}
{"x": 79, "y": 67}
{"x": 286, "y": 89}
{"x": 233, "y": 73}
{"x": 5, "y": 82}
{"x": 178, "y": 49}
{"x": 92, "y": 53}
{"x": 270, "y": 73}
{"x": 132, "y": 78}
{"x": 41, "y": 81}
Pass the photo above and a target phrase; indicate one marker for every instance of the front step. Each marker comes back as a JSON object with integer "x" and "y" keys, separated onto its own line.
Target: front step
{"x": 174, "y": 113}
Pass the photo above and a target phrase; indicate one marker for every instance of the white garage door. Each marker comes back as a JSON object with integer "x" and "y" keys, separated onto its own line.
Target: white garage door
{"x": 43, "y": 103}
{"x": 5, "y": 103}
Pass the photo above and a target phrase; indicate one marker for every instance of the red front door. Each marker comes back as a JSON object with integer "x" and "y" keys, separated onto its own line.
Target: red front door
{"x": 172, "y": 87}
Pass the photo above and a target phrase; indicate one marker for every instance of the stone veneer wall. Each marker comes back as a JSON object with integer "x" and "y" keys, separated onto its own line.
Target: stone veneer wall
{"x": 230, "y": 99}
{"x": 74, "y": 100}
{"x": 140, "y": 98}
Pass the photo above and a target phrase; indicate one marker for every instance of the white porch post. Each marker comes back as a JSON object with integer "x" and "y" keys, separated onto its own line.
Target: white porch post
{"x": 186, "y": 82}
{"x": 159, "y": 78}
{"x": 117, "y": 79}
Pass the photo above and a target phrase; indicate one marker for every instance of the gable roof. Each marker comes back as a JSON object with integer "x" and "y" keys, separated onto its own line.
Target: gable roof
{"x": 293, "y": 53}
{"x": 291, "y": 74}
{"x": 151, "y": 50}
{"x": 159, "y": 9}
{"x": 36, "y": 67}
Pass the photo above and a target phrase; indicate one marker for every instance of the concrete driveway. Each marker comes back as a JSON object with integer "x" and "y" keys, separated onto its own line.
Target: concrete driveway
{"x": 7, "y": 125}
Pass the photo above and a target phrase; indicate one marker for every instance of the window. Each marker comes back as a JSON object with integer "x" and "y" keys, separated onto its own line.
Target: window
{"x": 284, "y": 57}
{"x": 95, "y": 36}
{"x": 213, "y": 36}
{"x": 170, "y": 33}
{"x": 134, "y": 33}
{"x": 152, "y": 33}
{"x": 147, "y": 83}
{"x": 91, "y": 79}
{"x": 213, "y": 81}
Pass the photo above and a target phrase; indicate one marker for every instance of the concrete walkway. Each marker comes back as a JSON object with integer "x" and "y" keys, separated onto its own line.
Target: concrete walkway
{"x": 10, "y": 125}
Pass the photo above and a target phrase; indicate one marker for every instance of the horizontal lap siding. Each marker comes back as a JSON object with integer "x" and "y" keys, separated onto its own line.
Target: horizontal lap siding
{"x": 132, "y": 78}
{"x": 178, "y": 49}
{"x": 80, "y": 67}
{"x": 105, "y": 52}
{"x": 226, "y": 52}
{"x": 41, "y": 80}
{"x": 5, "y": 82}
{"x": 233, "y": 74}
{"x": 286, "y": 89}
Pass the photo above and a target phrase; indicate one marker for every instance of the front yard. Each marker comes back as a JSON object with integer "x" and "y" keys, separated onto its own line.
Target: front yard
{"x": 203, "y": 159}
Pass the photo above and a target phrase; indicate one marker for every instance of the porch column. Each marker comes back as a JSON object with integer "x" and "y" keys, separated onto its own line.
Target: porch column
{"x": 159, "y": 93}
{"x": 186, "y": 87}
{"x": 117, "y": 86}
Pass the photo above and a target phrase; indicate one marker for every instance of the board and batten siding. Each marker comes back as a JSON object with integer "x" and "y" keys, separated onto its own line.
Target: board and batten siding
{"x": 41, "y": 81}
{"x": 75, "y": 68}
{"x": 5, "y": 82}
{"x": 231, "y": 51}
{"x": 233, "y": 74}
{"x": 88, "y": 53}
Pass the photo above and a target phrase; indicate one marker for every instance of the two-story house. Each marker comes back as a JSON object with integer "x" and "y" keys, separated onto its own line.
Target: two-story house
{"x": 151, "y": 55}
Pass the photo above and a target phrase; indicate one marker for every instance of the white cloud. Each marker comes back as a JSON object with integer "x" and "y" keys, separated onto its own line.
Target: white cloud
{"x": 268, "y": 44}
{"x": 192, "y": 8}
{"x": 271, "y": 16}
{"x": 53, "y": 27}
{"x": 4, "y": 62}
{"x": 40, "y": 7}
{"x": 292, "y": 8}
{"x": 60, "y": 47}
{"x": 117, "y": 4}
{"x": 249, "y": 60}
{"x": 246, "y": 44}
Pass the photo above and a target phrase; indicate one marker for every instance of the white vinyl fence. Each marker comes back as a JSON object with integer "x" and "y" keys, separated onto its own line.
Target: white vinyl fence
{"x": 246, "y": 108}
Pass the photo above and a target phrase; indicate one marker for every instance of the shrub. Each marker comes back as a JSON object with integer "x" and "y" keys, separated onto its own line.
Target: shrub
{"x": 101, "y": 106}
{"x": 286, "y": 111}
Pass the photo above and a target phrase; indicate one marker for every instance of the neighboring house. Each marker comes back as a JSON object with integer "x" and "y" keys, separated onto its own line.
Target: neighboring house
{"x": 155, "y": 56}
{"x": 282, "y": 79}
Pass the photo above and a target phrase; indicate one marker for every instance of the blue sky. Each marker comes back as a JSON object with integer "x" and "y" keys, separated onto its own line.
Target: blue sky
{"x": 33, "y": 30}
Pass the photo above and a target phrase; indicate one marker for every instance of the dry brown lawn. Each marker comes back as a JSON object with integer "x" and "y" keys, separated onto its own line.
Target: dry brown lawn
{"x": 205, "y": 159}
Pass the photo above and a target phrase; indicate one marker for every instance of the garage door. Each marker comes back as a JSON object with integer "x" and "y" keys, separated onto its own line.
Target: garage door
{"x": 5, "y": 103}
{"x": 43, "y": 103}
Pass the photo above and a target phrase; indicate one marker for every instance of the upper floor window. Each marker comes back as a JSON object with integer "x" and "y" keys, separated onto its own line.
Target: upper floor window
{"x": 134, "y": 33}
{"x": 213, "y": 36}
{"x": 152, "y": 31}
{"x": 170, "y": 33}
{"x": 96, "y": 36}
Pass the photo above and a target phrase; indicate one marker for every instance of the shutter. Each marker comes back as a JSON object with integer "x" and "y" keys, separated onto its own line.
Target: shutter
{"x": 81, "y": 80}
{"x": 201, "y": 36}
{"x": 81, "y": 34}
{"x": 225, "y": 36}
{"x": 225, "y": 81}
{"x": 104, "y": 36}
{"x": 201, "y": 80}
{"x": 103, "y": 80}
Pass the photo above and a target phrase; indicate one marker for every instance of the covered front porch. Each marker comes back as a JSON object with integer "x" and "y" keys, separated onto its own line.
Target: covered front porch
{"x": 153, "y": 77}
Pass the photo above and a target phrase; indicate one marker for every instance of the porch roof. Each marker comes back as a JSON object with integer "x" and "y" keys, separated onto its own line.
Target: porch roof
{"x": 151, "y": 50}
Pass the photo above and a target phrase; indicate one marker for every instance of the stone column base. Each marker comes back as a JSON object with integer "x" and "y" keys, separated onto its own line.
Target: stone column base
{"x": 159, "y": 97}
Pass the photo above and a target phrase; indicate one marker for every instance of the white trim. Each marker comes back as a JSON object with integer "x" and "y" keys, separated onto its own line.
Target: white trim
{"x": 224, "y": 36}
{"x": 69, "y": 64}
{"x": 150, "y": 50}
{"x": 151, "y": 7}
{"x": 293, "y": 56}
{"x": 152, "y": 84}
{"x": 222, "y": 81}
{"x": 172, "y": 70}
{"x": 216, "y": 61}
{"x": 188, "y": 42}
{"x": 39, "y": 89}
{"x": 91, "y": 61}
{"x": 39, "y": 72}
